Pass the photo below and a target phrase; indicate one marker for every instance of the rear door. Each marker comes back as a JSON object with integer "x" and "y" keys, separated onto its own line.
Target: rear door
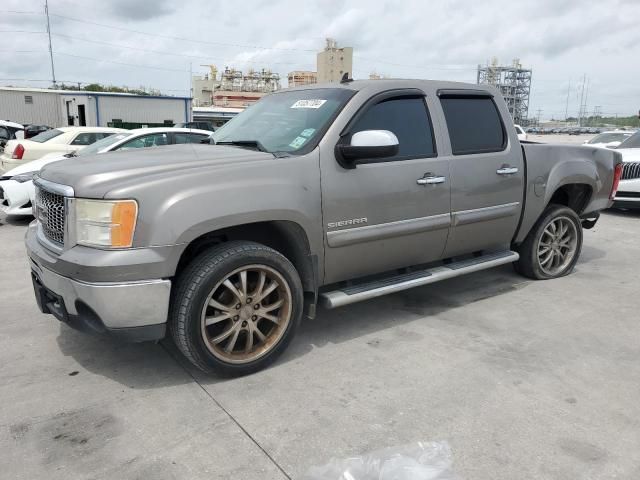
{"x": 486, "y": 171}
{"x": 384, "y": 215}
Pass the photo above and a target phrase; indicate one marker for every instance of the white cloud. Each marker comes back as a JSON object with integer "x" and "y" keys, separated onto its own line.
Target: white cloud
{"x": 559, "y": 39}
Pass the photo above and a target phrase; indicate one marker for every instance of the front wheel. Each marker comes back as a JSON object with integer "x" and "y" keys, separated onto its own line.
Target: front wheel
{"x": 235, "y": 308}
{"x": 553, "y": 245}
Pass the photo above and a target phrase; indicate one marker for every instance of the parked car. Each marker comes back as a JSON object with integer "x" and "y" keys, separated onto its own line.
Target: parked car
{"x": 16, "y": 186}
{"x": 331, "y": 193}
{"x": 31, "y": 130}
{"x": 58, "y": 140}
{"x": 628, "y": 195}
{"x": 199, "y": 124}
{"x": 9, "y": 131}
{"x": 522, "y": 136}
{"x": 609, "y": 139}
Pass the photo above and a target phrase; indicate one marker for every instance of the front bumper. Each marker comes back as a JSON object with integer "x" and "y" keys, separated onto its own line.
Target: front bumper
{"x": 134, "y": 310}
{"x": 628, "y": 195}
{"x": 16, "y": 198}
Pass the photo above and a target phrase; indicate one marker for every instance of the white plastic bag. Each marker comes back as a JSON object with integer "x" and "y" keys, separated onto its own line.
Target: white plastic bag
{"x": 416, "y": 461}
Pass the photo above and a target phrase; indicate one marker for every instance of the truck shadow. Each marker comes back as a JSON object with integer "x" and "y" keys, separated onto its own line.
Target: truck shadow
{"x": 133, "y": 365}
{"x": 618, "y": 212}
{"x": 150, "y": 365}
{"x": 365, "y": 318}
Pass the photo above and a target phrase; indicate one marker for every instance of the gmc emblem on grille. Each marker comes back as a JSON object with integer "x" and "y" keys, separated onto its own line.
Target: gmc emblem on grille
{"x": 43, "y": 214}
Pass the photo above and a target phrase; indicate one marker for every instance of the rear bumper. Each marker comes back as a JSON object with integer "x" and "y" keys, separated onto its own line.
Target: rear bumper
{"x": 134, "y": 311}
{"x": 626, "y": 202}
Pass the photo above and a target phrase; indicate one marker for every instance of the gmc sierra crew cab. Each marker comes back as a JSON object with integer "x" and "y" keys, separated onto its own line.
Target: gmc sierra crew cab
{"x": 326, "y": 194}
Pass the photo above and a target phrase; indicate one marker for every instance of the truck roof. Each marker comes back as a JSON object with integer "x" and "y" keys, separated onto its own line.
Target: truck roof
{"x": 391, "y": 84}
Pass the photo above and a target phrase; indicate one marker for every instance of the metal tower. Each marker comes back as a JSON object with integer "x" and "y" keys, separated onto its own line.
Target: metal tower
{"x": 514, "y": 82}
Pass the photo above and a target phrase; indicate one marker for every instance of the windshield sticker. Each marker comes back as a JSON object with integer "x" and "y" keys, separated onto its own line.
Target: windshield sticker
{"x": 298, "y": 142}
{"x": 312, "y": 103}
{"x": 307, "y": 132}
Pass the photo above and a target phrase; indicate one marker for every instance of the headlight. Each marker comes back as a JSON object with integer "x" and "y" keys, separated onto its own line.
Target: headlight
{"x": 105, "y": 223}
{"x": 23, "y": 177}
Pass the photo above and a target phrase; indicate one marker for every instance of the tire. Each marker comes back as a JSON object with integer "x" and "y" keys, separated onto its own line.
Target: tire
{"x": 217, "y": 310}
{"x": 544, "y": 241}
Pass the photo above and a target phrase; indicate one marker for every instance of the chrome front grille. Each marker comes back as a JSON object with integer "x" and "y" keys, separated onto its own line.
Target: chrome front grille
{"x": 50, "y": 212}
{"x": 630, "y": 170}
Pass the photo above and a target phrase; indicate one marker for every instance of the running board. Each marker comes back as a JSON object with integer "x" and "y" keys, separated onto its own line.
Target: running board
{"x": 377, "y": 288}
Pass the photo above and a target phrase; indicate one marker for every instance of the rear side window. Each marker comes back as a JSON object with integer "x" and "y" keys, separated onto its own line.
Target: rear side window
{"x": 408, "y": 119}
{"x": 474, "y": 125}
{"x": 84, "y": 139}
{"x": 181, "y": 138}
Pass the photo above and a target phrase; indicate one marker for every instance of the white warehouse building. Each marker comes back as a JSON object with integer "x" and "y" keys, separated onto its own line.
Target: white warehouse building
{"x": 61, "y": 108}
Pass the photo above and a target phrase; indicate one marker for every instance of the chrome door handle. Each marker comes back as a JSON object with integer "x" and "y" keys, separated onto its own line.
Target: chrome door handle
{"x": 507, "y": 170}
{"x": 431, "y": 180}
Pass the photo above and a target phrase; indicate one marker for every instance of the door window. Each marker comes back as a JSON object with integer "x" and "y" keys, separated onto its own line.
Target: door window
{"x": 84, "y": 139}
{"x": 153, "y": 140}
{"x": 181, "y": 138}
{"x": 474, "y": 125}
{"x": 408, "y": 119}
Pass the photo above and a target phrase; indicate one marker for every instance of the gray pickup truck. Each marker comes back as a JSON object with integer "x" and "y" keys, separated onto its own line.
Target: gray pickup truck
{"x": 327, "y": 194}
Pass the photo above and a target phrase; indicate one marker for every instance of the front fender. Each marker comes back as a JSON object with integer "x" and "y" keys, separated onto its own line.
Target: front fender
{"x": 176, "y": 211}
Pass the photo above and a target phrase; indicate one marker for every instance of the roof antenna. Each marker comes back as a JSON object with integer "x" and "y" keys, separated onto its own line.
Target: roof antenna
{"x": 345, "y": 78}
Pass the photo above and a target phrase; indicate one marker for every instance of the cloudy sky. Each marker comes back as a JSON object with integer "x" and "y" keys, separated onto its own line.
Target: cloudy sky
{"x": 153, "y": 42}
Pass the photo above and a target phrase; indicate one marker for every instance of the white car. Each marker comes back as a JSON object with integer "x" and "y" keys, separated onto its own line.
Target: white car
{"x": 58, "y": 140}
{"x": 9, "y": 131}
{"x": 522, "y": 135}
{"x": 16, "y": 186}
{"x": 609, "y": 139}
{"x": 628, "y": 195}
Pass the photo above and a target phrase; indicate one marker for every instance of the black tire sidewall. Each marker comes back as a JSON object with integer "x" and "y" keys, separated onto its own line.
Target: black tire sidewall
{"x": 530, "y": 265}
{"x": 234, "y": 257}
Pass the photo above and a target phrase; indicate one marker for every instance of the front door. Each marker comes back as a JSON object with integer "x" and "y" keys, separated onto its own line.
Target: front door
{"x": 385, "y": 215}
{"x": 486, "y": 171}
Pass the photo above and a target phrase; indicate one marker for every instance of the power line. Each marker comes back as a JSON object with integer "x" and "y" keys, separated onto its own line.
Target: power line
{"x": 184, "y": 39}
{"x": 159, "y": 52}
{"x": 120, "y": 63}
{"x": 20, "y": 31}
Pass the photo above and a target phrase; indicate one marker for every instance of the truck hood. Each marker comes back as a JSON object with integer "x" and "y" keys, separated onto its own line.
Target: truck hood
{"x": 94, "y": 176}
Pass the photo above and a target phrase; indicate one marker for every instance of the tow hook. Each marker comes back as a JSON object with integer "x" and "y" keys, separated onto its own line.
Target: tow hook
{"x": 589, "y": 223}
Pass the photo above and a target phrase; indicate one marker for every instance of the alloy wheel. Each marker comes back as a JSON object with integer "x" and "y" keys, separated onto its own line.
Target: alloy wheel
{"x": 557, "y": 246}
{"x": 246, "y": 314}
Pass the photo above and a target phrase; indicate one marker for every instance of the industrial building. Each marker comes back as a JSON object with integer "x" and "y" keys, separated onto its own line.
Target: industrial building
{"x": 514, "y": 83}
{"x": 334, "y": 61}
{"x": 61, "y": 108}
{"x": 301, "y": 77}
{"x": 217, "y": 115}
{"x": 232, "y": 88}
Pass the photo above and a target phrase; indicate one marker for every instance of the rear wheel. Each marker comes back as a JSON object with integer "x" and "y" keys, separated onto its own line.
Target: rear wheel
{"x": 236, "y": 308}
{"x": 553, "y": 246}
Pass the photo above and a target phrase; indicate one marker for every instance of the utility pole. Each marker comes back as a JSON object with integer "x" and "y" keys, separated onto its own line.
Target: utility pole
{"x": 581, "y": 111}
{"x": 539, "y": 112}
{"x": 566, "y": 108}
{"x": 53, "y": 71}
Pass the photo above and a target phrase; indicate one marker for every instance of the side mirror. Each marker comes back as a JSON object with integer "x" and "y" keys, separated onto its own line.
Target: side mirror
{"x": 367, "y": 145}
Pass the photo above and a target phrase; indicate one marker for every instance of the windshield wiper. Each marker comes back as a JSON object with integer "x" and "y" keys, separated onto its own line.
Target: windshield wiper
{"x": 245, "y": 143}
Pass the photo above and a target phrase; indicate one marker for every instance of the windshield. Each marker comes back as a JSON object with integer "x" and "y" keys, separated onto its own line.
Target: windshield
{"x": 609, "y": 137}
{"x": 631, "y": 142}
{"x": 102, "y": 144}
{"x": 46, "y": 136}
{"x": 291, "y": 122}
